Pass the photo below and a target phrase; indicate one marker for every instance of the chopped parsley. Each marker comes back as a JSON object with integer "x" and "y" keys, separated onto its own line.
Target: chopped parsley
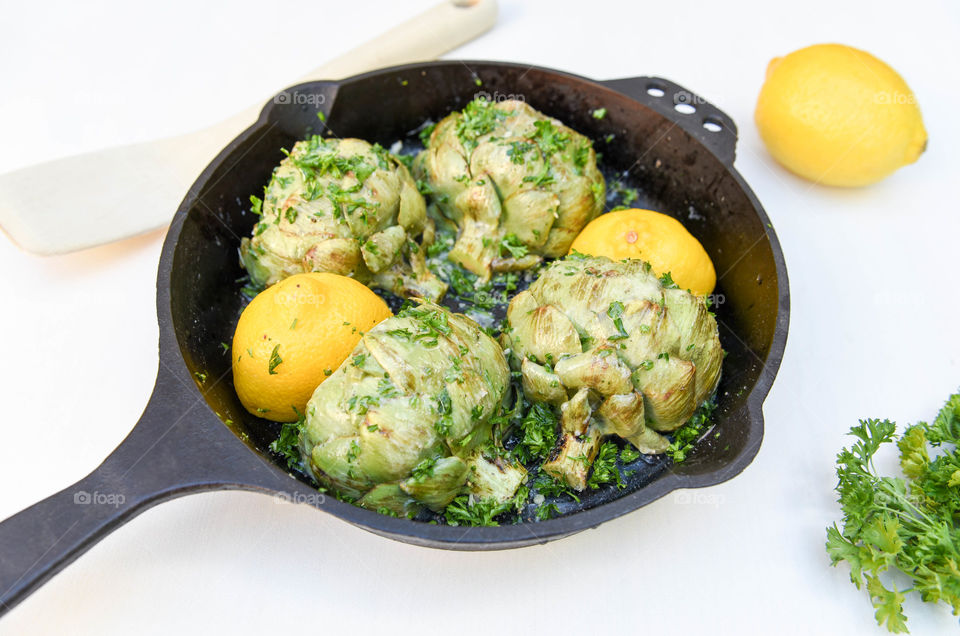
{"x": 667, "y": 281}
{"x": 444, "y": 410}
{"x": 478, "y": 118}
{"x": 511, "y": 245}
{"x": 546, "y": 511}
{"x": 426, "y": 133}
{"x": 467, "y": 511}
{"x": 288, "y": 443}
{"x": 605, "y": 469}
{"x": 629, "y": 454}
{"x": 431, "y": 323}
{"x": 538, "y": 433}
{"x": 549, "y": 486}
{"x": 685, "y": 437}
{"x": 424, "y": 469}
{"x": 615, "y": 312}
{"x": 275, "y": 360}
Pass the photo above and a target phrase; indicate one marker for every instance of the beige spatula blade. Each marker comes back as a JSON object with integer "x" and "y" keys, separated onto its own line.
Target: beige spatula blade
{"x": 86, "y": 200}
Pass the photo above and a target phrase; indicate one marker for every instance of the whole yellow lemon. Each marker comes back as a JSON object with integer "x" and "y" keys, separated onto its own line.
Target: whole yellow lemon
{"x": 839, "y": 116}
{"x": 659, "y": 239}
{"x": 293, "y": 335}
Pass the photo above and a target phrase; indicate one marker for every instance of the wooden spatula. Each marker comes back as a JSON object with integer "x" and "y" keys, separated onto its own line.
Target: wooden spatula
{"x": 86, "y": 200}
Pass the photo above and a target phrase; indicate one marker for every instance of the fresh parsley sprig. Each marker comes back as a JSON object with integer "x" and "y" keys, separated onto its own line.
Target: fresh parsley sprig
{"x": 911, "y": 524}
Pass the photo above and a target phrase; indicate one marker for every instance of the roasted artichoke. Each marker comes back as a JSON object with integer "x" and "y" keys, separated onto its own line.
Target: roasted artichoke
{"x": 347, "y": 207}
{"x": 518, "y": 184}
{"x": 616, "y": 352}
{"x": 405, "y": 420}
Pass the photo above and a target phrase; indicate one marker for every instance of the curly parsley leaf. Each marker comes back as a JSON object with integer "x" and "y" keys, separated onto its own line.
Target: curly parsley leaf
{"x": 910, "y": 524}
{"x": 686, "y": 436}
{"x": 605, "y": 469}
{"x": 467, "y": 511}
{"x": 287, "y": 444}
{"x": 538, "y": 433}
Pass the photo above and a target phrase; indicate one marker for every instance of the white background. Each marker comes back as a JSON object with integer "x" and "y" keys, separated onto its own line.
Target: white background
{"x": 873, "y": 332}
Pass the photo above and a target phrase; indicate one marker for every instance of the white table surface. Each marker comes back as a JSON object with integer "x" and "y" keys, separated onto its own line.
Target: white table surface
{"x": 874, "y": 280}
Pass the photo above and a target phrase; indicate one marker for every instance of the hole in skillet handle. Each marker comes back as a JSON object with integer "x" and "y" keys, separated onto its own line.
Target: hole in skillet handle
{"x": 712, "y": 125}
{"x": 699, "y": 118}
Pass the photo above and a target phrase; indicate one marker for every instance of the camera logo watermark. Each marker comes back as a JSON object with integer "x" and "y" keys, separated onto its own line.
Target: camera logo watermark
{"x": 296, "y": 97}
{"x": 84, "y": 498}
{"x": 497, "y": 96}
{"x": 715, "y": 299}
{"x": 895, "y": 97}
{"x": 309, "y": 498}
{"x": 299, "y": 297}
{"x": 686, "y": 97}
{"x": 687, "y": 498}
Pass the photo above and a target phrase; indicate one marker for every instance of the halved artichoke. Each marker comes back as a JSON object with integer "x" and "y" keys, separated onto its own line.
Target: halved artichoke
{"x": 518, "y": 184}
{"x": 403, "y": 422}
{"x": 347, "y": 207}
{"x": 616, "y": 352}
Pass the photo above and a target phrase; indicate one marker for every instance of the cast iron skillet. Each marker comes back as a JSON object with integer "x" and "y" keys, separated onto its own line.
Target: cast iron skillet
{"x": 194, "y": 435}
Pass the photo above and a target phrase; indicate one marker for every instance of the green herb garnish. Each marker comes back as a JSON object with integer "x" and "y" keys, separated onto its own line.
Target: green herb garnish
{"x": 466, "y": 511}
{"x": 275, "y": 360}
{"x": 615, "y": 312}
{"x": 605, "y": 467}
{"x": 685, "y": 436}
{"x": 538, "y": 433}
{"x": 909, "y": 524}
{"x": 288, "y": 443}
{"x": 513, "y": 246}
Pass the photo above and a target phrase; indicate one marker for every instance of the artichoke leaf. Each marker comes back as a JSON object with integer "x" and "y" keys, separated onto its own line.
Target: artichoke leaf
{"x": 540, "y": 385}
{"x": 412, "y": 282}
{"x": 541, "y": 331}
{"x": 649, "y": 442}
{"x": 324, "y": 406}
{"x": 668, "y": 389}
{"x": 412, "y": 215}
{"x": 529, "y": 215}
{"x": 621, "y": 415}
{"x": 383, "y": 248}
{"x": 470, "y": 396}
{"x": 474, "y": 248}
{"x": 573, "y": 458}
{"x": 335, "y": 464}
{"x": 334, "y": 255}
{"x": 390, "y": 497}
{"x": 515, "y": 264}
{"x": 397, "y": 355}
{"x": 699, "y": 338}
{"x": 395, "y": 437}
{"x": 440, "y": 485}
{"x": 484, "y": 348}
{"x": 575, "y": 413}
{"x": 599, "y": 369}
{"x": 497, "y": 478}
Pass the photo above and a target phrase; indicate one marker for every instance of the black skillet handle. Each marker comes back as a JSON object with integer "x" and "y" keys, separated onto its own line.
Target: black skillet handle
{"x": 700, "y": 119}
{"x": 176, "y": 448}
